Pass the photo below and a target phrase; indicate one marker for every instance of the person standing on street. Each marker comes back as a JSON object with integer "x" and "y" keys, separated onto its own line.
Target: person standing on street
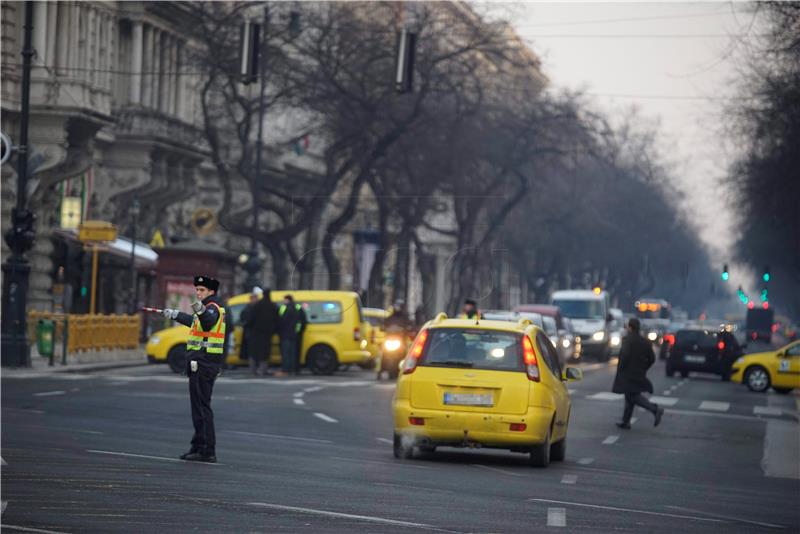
{"x": 470, "y": 310}
{"x": 291, "y": 321}
{"x": 258, "y": 325}
{"x": 635, "y": 358}
{"x": 205, "y": 351}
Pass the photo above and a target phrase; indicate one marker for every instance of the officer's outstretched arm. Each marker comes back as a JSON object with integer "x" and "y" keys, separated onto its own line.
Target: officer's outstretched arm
{"x": 184, "y": 318}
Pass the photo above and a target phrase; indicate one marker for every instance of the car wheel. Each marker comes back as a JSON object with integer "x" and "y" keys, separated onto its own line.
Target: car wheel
{"x": 757, "y": 379}
{"x": 558, "y": 450}
{"x": 402, "y": 451}
{"x": 540, "y": 454}
{"x": 684, "y": 374}
{"x": 322, "y": 360}
{"x": 176, "y": 358}
{"x": 783, "y": 391}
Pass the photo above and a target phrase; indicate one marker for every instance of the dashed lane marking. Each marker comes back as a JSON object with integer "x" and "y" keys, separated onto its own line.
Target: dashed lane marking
{"x": 28, "y": 529}
{"x": 556, "y": 517}
{"x": 633, "y": 420}
{"x": 572, "y": 391}
{"x": 2, "y": 462}
{"x": 628, "y": 510}
{"x": 299, "y": 393}
{"x": 313, "y": 389}
{"x": 569, "y": 479}
{"x": 162, "y": 458}
{"x": 715, "y": 406}
{"x": 667, "y": 392}
{"x": 325, "y": 418}
{"x": 610, "y": 440}
{"x": 384, "y": 386}
{"x": 494, "y": 469}
{"x": 278, "y": 436}
{"x": 606, "y": 395}
{"x": 767, "y": 410}
{"x": 666, "y": 401}
{"x": 385, "y": 440}
{"x": 299, "y": 402}
{"x": 49, "y": 393}
{"x": 586, "y": 461}
{"x": 328, "y": 513}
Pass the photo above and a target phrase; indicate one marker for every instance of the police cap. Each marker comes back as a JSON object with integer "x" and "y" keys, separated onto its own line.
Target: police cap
{"x": 207, "y": 282}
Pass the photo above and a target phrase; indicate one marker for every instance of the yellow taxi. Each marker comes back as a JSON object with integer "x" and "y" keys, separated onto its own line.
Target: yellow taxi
{"x": 374, "y": 332}
{"x": 493, "y": 384}
{"x": 777, "y": 368}
{"x": 333, "y": 336}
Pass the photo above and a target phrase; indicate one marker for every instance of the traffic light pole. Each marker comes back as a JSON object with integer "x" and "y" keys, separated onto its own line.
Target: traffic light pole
{"x": 14, "y": 349}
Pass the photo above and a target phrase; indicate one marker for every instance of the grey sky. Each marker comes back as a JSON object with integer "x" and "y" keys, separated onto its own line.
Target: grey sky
{"x": 670, "y": 59}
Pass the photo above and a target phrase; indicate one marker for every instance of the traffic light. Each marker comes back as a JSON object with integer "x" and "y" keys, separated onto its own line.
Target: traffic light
{"x": 766, "y": 275}
{"x": 404, "y": 63}
{"x": 249, "y": 47}
{"x": 764, "y": 297}
{"x": 725, "y": 274}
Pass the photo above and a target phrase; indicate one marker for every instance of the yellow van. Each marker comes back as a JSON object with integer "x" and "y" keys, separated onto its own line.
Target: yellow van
{"x": 334, "y": 335}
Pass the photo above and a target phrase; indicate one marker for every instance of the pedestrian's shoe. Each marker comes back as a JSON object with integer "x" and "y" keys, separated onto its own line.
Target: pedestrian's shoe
{"x": 200, "y": 457}
{"x": 185, "y": 455}
{"x": 659, "y": 413}
{"x": 623, "y": 424}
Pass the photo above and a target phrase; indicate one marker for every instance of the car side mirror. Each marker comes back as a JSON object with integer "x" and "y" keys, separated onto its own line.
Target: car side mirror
{"x": 573, "y": 373}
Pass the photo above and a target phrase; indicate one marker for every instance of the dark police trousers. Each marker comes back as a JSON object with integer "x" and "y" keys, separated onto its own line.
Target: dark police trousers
{"x": 201, "y": 385}
{"x": 632, "y": 399}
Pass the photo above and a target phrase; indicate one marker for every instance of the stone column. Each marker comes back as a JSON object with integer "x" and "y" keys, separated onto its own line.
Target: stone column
{"x": 40, "y": 32}
{"x": 75, "y": 41}
{"x": 52, "y": 32}
{"x": 136, "y": 63}
{"x": 111, "y": 25}
{"x": 179, "y": 81}
{"x": 157, "y": 44}
{"x": 63, "y": 26}
{"x": 147, "y": 66}
{"x": 173, "y": 77}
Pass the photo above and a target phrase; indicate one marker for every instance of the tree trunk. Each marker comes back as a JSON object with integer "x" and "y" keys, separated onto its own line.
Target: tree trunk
{"x": 401, "y": 266}
{"x": 280, "y": 273}
{"x": 375, "y": 286}
{"x": 426, "y": 263}
{"x": 308, "y": 259}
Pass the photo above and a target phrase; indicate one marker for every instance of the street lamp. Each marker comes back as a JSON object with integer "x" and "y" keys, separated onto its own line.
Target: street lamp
{"x": 134, "y": 213}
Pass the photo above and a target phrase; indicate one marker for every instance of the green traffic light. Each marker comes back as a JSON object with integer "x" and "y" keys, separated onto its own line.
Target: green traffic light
{"x": 725, "y": 276}
{"x": 766, "y": 277}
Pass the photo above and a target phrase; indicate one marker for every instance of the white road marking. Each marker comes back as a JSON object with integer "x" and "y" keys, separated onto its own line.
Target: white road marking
{"x": 120, "y": 383}
{"x": 779, "y": 460}
{"x": 767, "y": 410}
{"x": 629, "y": 510}
{"x": 715, "y": 406}
{"x": 569, "y": 479}
{"x": 668, "y": 392}
{"x": 312, "y": 390}
{"x": 28, "y": 529}
{"x": 2, "y": 462}
{"x": 610, "y": 440}
{"x": 633, "y": 420}
{"x": 327, "y": 513}
{"x": 571, "y": 391}
{"x": 163, "y": 458}
{"x": 769, "y": 525}
{"x": 666, "y": 401}
{"x": 325, "y": 417}
{"x": 556, "y": 517}
{"x": 278, "y": 436}
{"x": 586, "y": 461}
{"x": 496, "y": 470}
{"x": 299, "y": 394}
{"x": 384, "y": 440}
{"x": 49, "y": 393}
{"x": 606, "y": 395}
{"x": 715, "y": 414}
{"x": 299, "y": 402}
{"x": 384, "y": 386}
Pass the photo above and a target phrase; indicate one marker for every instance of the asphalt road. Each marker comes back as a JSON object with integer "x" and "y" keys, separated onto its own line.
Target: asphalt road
{"x": 97, "y": 453}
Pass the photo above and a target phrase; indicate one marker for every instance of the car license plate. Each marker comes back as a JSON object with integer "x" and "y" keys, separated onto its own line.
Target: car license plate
{"x": 469, "y": 399}
{"x": 694, "y": 358}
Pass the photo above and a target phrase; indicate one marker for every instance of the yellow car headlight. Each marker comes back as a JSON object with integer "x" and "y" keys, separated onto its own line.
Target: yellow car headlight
{"x": 154, "y": 340}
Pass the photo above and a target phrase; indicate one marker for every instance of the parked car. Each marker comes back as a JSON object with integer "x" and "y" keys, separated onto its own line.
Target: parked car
{"x": 703, "y": 351}
{"x": 495, "y": 384}
{"x": 779, "y": 369}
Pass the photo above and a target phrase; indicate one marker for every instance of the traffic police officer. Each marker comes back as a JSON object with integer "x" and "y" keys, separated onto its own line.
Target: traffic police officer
{"x": 470, "y": 310}
{"x": 205, "y": 352}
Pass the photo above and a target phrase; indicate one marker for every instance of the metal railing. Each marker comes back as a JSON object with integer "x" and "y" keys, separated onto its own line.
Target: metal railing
{"x": 89, "y": 332}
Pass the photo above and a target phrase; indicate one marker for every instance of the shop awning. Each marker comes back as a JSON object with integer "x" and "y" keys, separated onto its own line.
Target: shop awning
{"x": 144, "y": 256}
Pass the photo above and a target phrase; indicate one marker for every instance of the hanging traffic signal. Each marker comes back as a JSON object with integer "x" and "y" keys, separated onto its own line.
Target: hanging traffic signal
{"x": 766, "y": 275}
{"x": 764, "y": 297}
{"x": 725, "y": 274}
{"x": 765, "y": 305}
{"x": 751, "y": 305}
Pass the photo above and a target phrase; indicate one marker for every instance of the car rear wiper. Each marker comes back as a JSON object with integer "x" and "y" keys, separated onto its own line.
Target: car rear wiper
{"x": 454, "y": 363}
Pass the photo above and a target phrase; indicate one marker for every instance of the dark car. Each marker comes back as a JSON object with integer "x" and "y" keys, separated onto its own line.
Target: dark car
{"x": 702, "y": 351}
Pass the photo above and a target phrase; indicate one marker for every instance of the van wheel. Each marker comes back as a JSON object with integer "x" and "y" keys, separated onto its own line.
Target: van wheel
{"x": 322, "y": 360}
{"x": 540, "y": 454}
{"x": 558, "y": 450}
{"x": 176, "y": 358}
{"x": 402, "y": 451}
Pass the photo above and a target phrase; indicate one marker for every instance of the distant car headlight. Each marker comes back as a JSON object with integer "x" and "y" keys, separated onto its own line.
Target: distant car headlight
{"x": 154, "y": 340}
{"x": 391, "y": 344}
{"x": 615, "y": 340}
{"x": 599, "y": 336}
{"x": 565, "y": 343}
{"x": 652, "y": 336}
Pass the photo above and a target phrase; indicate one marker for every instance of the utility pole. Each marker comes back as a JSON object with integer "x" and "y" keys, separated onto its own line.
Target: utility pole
{"x": 134, "y": 212}
{"x": 20, "y": 237}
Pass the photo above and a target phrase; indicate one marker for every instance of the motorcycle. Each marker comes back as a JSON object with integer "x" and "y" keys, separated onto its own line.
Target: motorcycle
{"x": 392, "y": 352}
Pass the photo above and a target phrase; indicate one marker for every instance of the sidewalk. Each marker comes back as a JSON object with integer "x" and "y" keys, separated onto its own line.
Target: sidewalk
{"x": 77, "y": 363}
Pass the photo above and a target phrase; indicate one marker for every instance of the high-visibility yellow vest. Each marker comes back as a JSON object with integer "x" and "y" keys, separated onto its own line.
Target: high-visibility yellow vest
{"x": 213, "y": 340}
{"x": 282, "y": 309}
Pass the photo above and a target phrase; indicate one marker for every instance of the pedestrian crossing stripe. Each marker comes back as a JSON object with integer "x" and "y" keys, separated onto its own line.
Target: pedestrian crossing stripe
{"x": 714, "y": 406}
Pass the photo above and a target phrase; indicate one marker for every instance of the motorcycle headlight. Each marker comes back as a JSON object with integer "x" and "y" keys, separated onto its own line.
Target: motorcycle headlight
{"x": 615, "y": 340}
{"x": 363, "y": 343}
{"x": 599, "y": 336}
{"x": 652, "y": 336}
{"x": 565, "y": 343}
{"x": 391, "y": 344}
{"x": 154, "y": 340}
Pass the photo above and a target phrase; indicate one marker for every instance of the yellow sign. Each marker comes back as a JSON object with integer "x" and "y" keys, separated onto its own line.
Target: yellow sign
{"x": 70, "y": 212}
{"x": 158, "y": 240}
{"x": 96, "y": 231}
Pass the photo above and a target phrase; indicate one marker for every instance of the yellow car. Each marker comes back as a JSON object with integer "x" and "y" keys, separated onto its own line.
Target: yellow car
{"x": 333, "y": 335}
{"x": 777, "y": 368}
{"x": 374, "y": 329}
{"x": 492, "y": 384}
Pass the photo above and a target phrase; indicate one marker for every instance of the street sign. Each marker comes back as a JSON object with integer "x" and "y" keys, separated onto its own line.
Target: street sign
{"x": 5, "y": 147}
{"x": 158, "y": 240}
{"x": 96, "y": 232}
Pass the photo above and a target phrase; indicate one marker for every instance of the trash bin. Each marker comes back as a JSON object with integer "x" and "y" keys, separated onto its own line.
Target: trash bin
{"x": 45, "y": 337}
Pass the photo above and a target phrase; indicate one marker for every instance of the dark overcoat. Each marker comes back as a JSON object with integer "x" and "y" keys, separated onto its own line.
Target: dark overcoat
{"x": 259, "y": 322}
{"x": 635, "y": 358}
